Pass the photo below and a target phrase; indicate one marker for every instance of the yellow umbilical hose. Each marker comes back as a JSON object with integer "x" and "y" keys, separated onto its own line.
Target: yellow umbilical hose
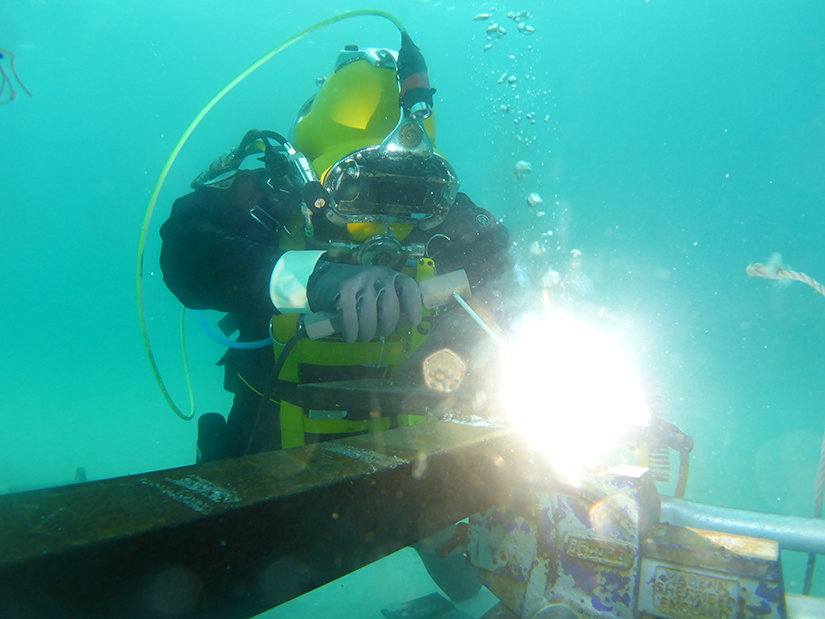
{"x": 165, "y": 172}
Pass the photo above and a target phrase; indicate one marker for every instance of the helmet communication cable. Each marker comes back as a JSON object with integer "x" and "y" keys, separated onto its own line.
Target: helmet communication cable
{"x": 171, "y": 160}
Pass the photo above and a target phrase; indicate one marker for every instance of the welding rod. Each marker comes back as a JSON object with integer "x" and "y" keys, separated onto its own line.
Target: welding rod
{"x": 479, "y": 321}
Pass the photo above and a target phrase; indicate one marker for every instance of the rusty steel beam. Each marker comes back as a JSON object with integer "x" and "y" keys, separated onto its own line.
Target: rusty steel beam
{"x": 231, "y": 539}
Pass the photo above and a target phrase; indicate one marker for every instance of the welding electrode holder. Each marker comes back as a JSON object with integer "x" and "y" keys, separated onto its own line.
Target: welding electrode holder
{"x": 435, "y": 291}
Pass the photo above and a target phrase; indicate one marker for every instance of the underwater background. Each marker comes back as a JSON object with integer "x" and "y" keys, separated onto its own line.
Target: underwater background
{"x": 672, "y": 142}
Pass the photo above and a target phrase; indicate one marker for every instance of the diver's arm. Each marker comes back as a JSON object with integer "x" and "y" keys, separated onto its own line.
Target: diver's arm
{"x": 215, "y": 255}
{"x": 480, "y": 245}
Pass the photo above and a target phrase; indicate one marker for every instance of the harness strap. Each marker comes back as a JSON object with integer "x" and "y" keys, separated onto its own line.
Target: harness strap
{"x": 391, "y": 351}
{"x": 295, "y": 425}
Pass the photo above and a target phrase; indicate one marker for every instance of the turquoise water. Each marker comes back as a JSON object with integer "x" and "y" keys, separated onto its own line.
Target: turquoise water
{"x": 674, "y": 143}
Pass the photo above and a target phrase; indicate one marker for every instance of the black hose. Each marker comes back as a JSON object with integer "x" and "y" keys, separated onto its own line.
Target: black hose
{"x": 271, "y": 389}
{"x": 275, "y": 136}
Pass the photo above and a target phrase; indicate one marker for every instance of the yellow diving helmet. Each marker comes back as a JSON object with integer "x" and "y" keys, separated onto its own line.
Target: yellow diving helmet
{"x": 372, "y": 151}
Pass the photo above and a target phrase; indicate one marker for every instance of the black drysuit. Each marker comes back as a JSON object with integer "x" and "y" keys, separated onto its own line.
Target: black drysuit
{"x": 216, "y": 255}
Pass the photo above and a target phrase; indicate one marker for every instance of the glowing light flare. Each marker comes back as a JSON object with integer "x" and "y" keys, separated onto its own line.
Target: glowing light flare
{"x": 572, "y": 390}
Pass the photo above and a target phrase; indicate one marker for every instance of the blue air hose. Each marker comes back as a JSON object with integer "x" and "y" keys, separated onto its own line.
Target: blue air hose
{"x": 229, "y": 343}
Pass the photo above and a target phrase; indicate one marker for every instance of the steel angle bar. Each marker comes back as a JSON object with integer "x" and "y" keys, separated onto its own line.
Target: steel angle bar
{"x": 234, "y": 538}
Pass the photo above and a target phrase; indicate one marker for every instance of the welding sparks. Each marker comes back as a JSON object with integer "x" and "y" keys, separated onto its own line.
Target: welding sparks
{"x": 572, "y": 390}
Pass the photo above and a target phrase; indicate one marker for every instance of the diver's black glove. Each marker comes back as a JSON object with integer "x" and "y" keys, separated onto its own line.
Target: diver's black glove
{"x": 367, "y": 297}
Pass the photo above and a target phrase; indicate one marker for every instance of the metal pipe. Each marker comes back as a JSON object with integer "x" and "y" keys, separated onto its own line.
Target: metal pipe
{"x": 804, "y": 607}
{"x": 791, "y": 532}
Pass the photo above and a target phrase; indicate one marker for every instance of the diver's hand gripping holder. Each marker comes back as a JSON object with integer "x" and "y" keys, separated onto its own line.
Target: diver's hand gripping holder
{"x": 434, "y": 292}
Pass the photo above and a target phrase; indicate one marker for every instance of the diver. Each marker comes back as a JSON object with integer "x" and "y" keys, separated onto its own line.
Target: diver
{"x": 347, "y": 217}
{"x": 267, "y": 244}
